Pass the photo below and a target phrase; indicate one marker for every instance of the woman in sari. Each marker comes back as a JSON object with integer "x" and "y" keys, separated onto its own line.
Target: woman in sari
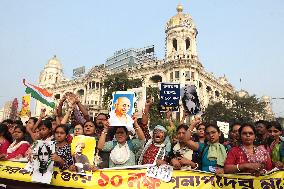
{"x": 122, "y": 150}
{"x": 277, "y": 146}
{"x": 248, "y": 158}
{"x": 212, "y": 154}
{"x": 18, "y": 150}
{"x": 5, "y": 138}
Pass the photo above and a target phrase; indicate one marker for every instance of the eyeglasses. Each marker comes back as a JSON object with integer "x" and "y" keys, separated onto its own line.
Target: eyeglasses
{"x": 78, "y": 129}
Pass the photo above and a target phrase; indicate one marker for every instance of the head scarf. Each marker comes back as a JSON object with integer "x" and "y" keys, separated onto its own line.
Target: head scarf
{"x": 161, "y": 128}
{"x": 165, "y": 147}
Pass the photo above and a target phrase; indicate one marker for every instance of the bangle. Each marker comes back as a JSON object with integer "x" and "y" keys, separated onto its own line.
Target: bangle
{"x": 104, "y": 132}
{"x": 196, "y": 164}
{"x": 238, "y": 168}
{"x": 265, "y": 171}
{"x": 136, "y": 128}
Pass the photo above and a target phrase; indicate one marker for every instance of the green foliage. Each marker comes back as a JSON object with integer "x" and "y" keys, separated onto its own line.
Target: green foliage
{"x": 118, "y": 82}
{"x": 156, "y": 117}
{"x": 235, "y": 108}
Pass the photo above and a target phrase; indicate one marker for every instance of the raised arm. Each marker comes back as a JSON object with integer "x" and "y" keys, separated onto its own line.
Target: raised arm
{"x": 41, "y": 117}
{"x": 102, "y": 138}
{"x": 185, "y": 114}
{"x": 187, "y": 139}
{"x": 83, "y": 110}
{"x": 137, "y": 128}
{"x": 60, "y": 104}
{"x": 145, "y": 116}
{"x": 67, "y": 115}
{"x": 170, "y": 120}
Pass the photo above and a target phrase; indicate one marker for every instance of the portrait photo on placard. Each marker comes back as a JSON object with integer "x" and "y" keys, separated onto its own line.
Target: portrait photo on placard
{"x": 122, "y": 109}
{"x": 190, "y": 100}
{"x": 41, "y": 161}
{"x": 83, "y": 150}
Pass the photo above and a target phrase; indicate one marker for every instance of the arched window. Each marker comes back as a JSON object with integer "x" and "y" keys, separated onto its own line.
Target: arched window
{"x": 187, "y": 43}
{"x": 175, "y": 44}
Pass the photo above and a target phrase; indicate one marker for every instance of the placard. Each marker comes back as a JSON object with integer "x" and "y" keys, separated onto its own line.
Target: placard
{"x": 41, "y": 163}
{"x": 140, "y": 96}
{"x": 122, "y": 109}
{"x": 169, "y": 97}
{"x": 83, "y": 150}
{"x": 190, "y": 100}
{"x": 162, "y": 172}
{"x": 224, "y": 128}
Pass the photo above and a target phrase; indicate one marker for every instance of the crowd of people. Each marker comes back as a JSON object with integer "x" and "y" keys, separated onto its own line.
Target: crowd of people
{"x": 251, "y": 148}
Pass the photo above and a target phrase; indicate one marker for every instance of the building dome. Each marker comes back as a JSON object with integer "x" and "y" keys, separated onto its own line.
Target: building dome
{"x": 54, "y": 63}
{"x": 179, "y": 20}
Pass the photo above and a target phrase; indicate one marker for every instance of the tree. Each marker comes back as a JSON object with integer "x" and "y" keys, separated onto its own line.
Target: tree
{"x": 155, "y": 116}
{"x": 118, "y": 82}
{"x": 218, "y": 111}
{"x": 236, "y": 108}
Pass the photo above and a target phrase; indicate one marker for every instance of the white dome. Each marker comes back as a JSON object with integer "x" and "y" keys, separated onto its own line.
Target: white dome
{"x": 180, "y": 20}
{"x": 54, "y": 63}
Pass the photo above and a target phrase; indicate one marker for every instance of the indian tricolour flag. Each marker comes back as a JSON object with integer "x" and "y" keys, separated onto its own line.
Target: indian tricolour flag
{"x": 39, "y": 94}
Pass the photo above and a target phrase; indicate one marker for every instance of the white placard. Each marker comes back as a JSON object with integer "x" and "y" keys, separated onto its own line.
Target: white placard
{"x": 163, "y": 172}
{"x": 42, "y": 165}
{"x": 224, "y": 127}
{"x": 140, "y": 95}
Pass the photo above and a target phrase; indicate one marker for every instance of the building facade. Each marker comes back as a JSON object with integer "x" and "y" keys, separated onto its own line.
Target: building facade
{"x": 180, "y": 65}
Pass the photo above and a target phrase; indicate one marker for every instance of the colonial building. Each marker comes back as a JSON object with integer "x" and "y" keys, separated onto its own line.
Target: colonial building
{"x": 180, "y": 65}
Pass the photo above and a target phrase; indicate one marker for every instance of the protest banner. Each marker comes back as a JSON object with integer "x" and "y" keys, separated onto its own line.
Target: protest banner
{"x": 136, "y": 178}
{"x": 169, "y": 97}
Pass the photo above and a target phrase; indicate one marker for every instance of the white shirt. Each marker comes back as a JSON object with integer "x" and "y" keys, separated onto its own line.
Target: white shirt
{"x": 115, "y": 121}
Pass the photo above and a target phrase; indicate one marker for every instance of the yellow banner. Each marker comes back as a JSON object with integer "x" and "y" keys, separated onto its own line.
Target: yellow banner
{"x": 26, "y": 101}
{"x": 137, "y": 179}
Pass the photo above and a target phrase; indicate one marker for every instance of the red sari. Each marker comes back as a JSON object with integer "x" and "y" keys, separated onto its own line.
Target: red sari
{"x": 18, "y": 150}
{"x": 238, "y": 155}
{"x": 4, "y": 145}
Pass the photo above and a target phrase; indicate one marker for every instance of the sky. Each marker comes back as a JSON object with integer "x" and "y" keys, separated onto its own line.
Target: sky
{"x": 237, "y": 38}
